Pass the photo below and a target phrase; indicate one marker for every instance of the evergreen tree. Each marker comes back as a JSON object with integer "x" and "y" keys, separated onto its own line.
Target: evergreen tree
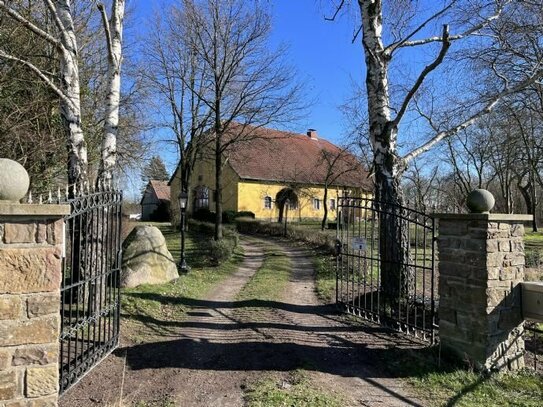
{"x": 155, "y": 169}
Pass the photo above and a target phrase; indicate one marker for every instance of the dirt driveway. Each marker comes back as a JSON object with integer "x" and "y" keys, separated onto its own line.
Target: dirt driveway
{"x": 211, "y": 356}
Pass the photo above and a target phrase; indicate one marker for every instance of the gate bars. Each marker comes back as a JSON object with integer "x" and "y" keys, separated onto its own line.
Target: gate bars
{"x": 385, "y": 268}
{"x": 90, "y": 301}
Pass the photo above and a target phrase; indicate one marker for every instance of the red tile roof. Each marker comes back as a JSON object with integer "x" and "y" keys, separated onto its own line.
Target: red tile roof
{"x": 274, "y": 155}
{"x": 162, "y": 189}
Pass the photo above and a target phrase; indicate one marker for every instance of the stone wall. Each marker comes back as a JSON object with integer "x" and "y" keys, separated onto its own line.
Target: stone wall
{"x": 481, "y": 265}
{"x": 31, "y": 245}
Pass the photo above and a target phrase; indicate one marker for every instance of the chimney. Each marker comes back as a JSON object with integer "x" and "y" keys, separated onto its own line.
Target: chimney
{"x": 312, "y": 134}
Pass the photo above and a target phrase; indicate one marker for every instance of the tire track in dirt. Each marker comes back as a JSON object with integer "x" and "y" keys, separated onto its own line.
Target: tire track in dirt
{"x": 179, "y": 369}
{"x": 348, "y": 360}
{"x": 223, "y": 345}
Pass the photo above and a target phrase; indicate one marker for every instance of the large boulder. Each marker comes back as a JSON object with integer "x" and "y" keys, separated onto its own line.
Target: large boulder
{"x": 146, "y": 259}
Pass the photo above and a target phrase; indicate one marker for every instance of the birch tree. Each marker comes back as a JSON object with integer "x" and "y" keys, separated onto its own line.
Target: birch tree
{"x": 113, "y": 29}
{"x": 470, "y": 19}
{"x": 480, "y": 36}
{"x": 53, "y": 22}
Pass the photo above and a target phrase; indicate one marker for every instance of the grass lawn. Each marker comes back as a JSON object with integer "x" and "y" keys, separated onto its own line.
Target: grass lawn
{"x": 294, "y": 390}
{"x": 451, "y": 385}
{"x": 269, "y": 281}
{"x": 145, "y": 308}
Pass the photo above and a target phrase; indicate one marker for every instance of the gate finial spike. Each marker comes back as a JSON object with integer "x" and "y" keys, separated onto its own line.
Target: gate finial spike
{"x": 58, "y": 195}
{"x": 50, "y": 197}
{"x": 29, "y": 197}
{"x": 40, "y": 200}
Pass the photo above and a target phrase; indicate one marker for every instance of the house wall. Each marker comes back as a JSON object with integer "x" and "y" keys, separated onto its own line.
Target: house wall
{"x": 251, "y": 196}
{"x": 149, "y": 203}
{"x": 204, "y": 175}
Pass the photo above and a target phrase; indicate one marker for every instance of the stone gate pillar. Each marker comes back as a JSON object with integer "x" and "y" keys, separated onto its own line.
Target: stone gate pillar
{"x": 31, "y": 247}
{"x": 481, "y": 266}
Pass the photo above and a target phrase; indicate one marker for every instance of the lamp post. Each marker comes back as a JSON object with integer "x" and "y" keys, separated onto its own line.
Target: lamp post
{"x": 183, "y": 199}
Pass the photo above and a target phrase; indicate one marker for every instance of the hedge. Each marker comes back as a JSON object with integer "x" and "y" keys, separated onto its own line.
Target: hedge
{"x": 313, "y": 237}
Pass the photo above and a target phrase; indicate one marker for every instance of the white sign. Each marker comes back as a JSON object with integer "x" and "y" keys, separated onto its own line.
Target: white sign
{"x": 358, "y": 243}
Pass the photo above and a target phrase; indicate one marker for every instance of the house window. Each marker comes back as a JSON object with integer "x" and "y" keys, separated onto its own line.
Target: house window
{"x": 201, "y": 198}
{"x": 267, "y": 202}
{"x": 332, "y": 204}
{"x": 316, "y": 204}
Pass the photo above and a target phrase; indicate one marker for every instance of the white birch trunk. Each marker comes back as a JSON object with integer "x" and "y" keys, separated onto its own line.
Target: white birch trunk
{"x": 394, "y": 247}
{"x": 114, "y": 34}
{"x": 70, "y": 107}
{"x": 383, "y": 133}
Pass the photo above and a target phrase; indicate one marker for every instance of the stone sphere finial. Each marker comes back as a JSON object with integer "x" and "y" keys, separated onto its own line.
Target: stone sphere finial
{"x": 480, "y": 201}
{"x": 14, "y": 180}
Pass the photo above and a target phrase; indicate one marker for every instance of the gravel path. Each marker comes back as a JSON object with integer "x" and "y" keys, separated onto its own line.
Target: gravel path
{"x": 223, "y": 345}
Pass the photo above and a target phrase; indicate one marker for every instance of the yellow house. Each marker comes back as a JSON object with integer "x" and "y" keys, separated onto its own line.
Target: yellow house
{"x": 274, "y": 173}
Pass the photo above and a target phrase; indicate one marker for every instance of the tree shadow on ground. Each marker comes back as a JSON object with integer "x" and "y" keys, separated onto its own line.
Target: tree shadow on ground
{"x": 235, "y": 343}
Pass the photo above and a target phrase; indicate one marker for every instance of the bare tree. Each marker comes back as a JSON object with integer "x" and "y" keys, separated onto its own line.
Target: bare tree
{"x": 245, "y": 85}
{"x": 336, "y": 165}
{"x": 172, "y": 70}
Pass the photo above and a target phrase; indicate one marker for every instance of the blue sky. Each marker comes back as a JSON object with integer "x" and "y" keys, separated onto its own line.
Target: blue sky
{"x": 321, "y": 52}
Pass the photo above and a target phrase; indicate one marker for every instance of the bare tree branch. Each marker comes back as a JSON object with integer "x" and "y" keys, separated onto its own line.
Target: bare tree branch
{"x": 389, "y": 50}
{"x": 107, "y": 31}
{"x": 27, "y": 24}
{"x": 455, "y": 37}
{"x": 489, "y": 106}
{"x": 40, "y": 74}
{"x": 429, "y": 68}
{"x": 338, "y": 9}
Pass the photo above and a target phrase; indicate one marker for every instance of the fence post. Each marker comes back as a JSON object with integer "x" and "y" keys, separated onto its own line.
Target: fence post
{"x": 31, "y": 247}
{"x": 481, "y": 266}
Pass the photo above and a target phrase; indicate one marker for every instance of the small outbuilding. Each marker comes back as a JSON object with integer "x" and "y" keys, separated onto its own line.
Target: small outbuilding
{"x": 155, "y": 203}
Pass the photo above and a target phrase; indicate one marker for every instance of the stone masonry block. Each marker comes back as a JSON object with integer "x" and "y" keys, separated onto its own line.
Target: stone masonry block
{"x": 517, "y": 230}
{"x": 34, "y": 331}
{"x": 41, "y": 381}
{"x": 10, "y": 307}
{"x": 5, "y": 359}
{"x": 35, "y": 355}
{"x": 492, "y": 246}
{"x": 451, "y": 227}
{"x": 50, "y": 401}
{"x": 8, "y": 385}
{"x": 41, "y": 233}
{"x": 20, "y": 232}
{"x": 504, "y": 245}
{"x": 27, "y": 270}
{"x": 54, "y": 232}
{"x": 497, "y": 296}
{"x": 38, "y": 305}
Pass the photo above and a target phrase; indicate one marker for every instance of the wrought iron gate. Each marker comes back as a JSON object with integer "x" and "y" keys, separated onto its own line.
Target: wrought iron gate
{"x": 385, "y": 268}
{"x": 90, "y": 301}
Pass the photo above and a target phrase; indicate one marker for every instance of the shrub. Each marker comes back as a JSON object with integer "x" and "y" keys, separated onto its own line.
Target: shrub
{"x": 204, "y": 215}
{"x": 221, "y": 250}
{"x": 313, "y": 237}
{"x": 245, "y": 214}
{"x": 228, "y": 216}
{"x": 533, "y": 258}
